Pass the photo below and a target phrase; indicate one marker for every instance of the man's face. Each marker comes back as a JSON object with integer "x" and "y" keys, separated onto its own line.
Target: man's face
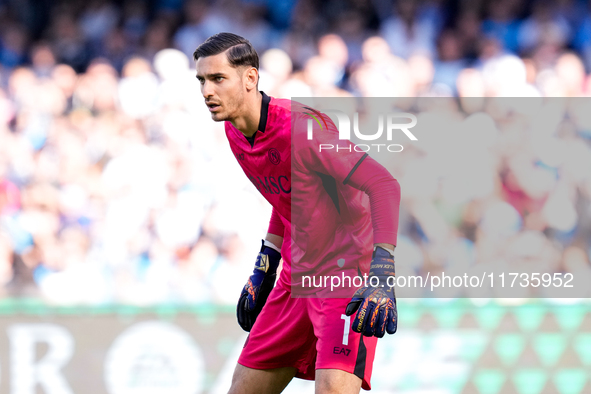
{"x": 222, "y": 86}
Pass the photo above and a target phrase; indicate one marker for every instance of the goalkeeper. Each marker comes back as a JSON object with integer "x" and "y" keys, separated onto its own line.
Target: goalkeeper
{"x": 344, "y": 219}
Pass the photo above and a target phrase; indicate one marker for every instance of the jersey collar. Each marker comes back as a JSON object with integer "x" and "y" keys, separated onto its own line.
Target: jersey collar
{"x": 264, "y": 112}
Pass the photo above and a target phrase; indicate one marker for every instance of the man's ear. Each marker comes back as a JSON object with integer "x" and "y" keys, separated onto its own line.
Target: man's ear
{"x": 252, "y": 78}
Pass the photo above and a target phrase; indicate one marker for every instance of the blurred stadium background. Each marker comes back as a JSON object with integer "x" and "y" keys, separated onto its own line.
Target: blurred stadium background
{"x": 127, "y": 228}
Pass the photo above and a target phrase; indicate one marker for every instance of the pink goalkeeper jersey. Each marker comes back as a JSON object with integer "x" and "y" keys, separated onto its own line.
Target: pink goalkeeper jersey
{"x": 327, "y": 226}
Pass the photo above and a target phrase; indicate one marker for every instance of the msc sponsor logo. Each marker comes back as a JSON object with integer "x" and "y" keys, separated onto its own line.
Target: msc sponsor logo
{"x": 271, "y": 185}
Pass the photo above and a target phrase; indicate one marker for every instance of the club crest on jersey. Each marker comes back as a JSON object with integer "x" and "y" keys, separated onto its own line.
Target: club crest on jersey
{"x": 274, "y": 156}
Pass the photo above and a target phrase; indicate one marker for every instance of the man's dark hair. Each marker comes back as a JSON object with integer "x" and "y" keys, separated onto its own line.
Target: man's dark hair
{"x": 240, "y": 50}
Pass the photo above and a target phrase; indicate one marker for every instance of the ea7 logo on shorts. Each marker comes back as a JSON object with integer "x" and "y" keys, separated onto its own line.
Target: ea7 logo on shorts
{"x": 341, "y": 350}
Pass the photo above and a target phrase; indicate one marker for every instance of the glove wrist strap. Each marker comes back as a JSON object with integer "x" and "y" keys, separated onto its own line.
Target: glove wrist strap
{"x": 391, "y": 251}
{"x": 382, "y": 264}
{"x": 271, "y": 245}
{"x": 268, "y": 260}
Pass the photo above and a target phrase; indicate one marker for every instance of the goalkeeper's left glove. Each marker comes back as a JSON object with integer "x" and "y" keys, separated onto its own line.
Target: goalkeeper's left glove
{"x": 376, "y": 306}
{"x": 259, "y": 285}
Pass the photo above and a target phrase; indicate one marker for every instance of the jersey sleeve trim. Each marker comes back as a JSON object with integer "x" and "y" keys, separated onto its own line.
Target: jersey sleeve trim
{"x": 354, "y": 169}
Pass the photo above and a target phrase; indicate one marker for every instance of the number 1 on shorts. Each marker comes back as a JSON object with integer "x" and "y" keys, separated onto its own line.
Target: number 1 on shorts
{"x": 347, "y": 320}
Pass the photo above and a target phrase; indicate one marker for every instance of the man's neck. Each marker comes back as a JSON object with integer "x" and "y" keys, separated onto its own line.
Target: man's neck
{"x": 248, "y": 122}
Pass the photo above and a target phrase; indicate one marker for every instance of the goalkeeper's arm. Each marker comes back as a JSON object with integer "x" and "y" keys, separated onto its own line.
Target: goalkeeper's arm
{"x": 259, "y": 285}
{"x": 376, "y": 307}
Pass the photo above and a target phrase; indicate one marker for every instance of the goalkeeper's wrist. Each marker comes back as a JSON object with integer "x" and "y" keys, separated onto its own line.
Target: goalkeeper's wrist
{"x": 268, "y": 260}
{"x": 271, "y": 245}
{"x": 387, "y": 247}
{"x": 382, "y": 264}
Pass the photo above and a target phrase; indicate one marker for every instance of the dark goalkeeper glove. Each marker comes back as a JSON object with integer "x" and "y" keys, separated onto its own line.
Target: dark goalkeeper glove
{"x": 257, "y": 289}
{"x": 376, "y": 305}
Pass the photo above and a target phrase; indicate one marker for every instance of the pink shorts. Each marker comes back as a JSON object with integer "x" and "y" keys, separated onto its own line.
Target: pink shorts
{"x": 308, "y": 334}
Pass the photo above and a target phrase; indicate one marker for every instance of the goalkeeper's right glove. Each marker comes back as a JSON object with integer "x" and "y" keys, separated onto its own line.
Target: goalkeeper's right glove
{"x": 257, "y": 289}
{"x": 376, "y": 306}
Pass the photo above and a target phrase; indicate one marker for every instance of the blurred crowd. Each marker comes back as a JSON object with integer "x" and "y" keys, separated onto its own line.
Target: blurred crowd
{"x": 116, "y": 186}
